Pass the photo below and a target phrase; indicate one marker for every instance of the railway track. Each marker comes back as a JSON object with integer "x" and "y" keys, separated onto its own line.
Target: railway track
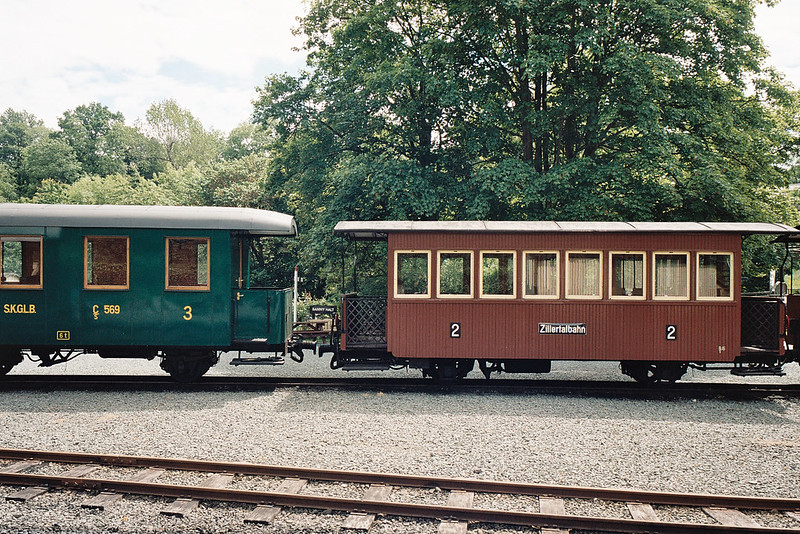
{"x": 646, "y": 510}
{"x": 231, "y": 383}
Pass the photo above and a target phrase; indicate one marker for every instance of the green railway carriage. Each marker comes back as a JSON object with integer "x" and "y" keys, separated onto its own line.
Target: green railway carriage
{"x": 136, "y": 281}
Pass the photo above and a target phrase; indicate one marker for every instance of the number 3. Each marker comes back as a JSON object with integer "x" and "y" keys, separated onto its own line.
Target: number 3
{"x": 188, "y": 315}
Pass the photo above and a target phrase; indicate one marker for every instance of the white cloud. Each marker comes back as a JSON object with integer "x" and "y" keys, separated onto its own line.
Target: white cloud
{"x": 128, "y": 55}
{"x": 778, "y": 29}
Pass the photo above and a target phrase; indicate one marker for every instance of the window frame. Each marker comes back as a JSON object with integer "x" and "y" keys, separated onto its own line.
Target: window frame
{"x": 513, "y": 294}
{"x": 167, "y": 286}
{"x": 396, "y": 270}
{"x": 568, "y": 272}
{"x": 439, "y": 293}
{"x": 86, "y": 284}
{"x": 731, "y": 289}
{"x": 687, "y": 255}
{"x": 20, "y": 239}
{"x": 611, "y": 255}
{"x": 525, "y": 294}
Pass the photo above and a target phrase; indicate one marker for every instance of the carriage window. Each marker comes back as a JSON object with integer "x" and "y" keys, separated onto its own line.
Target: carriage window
{"x": 412, "y": 274}
{"x": 188, "y": 263}
{"x": 714, "y": 276}
{"x": 21, "y": 262}
{"x": 541, "y": 274}
{"x": 497, "y": 274}
{"x": 455, "y": 274}
{"x": 584, "y": 272}
{"x": 627, "y": 275}
{"x": 106, "y": 265}
{"x": 671, "y": 276}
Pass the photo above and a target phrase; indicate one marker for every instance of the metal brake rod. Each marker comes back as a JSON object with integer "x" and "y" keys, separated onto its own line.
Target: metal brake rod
{"x": 475, "y": 485}
{"x": 377, "y": 507}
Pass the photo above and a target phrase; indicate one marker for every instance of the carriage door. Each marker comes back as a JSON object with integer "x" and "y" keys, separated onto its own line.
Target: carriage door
{"x": 250, "y": 306}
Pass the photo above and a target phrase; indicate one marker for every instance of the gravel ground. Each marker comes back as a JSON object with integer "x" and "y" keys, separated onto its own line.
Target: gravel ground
{"x": 702, "y": 445}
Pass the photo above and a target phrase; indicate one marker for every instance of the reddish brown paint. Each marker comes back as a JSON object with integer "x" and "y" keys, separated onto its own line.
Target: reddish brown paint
{"x": 616, "y": 329}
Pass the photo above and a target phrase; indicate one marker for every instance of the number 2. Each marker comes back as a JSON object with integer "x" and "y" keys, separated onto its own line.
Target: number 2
{"x": 672, "y": 332}
{"x": 455, "y": 329}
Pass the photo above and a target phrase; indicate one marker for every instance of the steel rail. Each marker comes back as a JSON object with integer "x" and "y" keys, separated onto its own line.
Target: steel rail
{"x": 426, "y": 511}
{"x": 603, "y": 388}
{"x": 416, "y": 481}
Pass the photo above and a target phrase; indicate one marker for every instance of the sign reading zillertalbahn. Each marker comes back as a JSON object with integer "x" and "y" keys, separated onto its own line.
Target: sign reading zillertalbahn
{"x": 569, "y": 329}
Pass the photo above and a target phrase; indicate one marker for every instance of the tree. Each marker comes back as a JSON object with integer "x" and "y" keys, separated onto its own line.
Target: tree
{"x": 90, "y": 131}
{"x": 48, "y": 157}
{"x": 599, "y": 96}
{"x": 181, "y": 137}
{"x": 246, "y": 139}
{"x": 545, "y": 109}
{"x": 239, "y": 182}
{"x": 8, "y": 186}
{"x": 18, "y": 129}
{"x": 138, "y": 153}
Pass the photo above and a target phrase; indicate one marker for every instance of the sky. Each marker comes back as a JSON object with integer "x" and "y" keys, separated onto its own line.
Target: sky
{"x": 207, "y": 55}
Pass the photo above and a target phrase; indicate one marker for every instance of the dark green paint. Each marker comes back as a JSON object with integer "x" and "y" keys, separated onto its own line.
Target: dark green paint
{"x": 262, "y": 314}
{"x": 146, "y": 314}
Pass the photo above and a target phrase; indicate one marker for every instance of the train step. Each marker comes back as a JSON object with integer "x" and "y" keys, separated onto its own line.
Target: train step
{"x": 758, "y": 371}
{"x": 272, "y": 360}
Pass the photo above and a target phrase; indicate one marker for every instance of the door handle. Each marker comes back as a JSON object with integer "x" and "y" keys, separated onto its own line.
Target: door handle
{"x": 239, "y": 296}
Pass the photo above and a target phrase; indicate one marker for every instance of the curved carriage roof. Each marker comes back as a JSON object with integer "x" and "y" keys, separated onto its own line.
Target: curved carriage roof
{"x": 252, "y": 221}
{"x": 376, "y": 230}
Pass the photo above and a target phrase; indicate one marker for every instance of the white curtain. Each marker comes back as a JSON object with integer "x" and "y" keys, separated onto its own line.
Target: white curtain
{"x": 714, "y": 276}
{"x": 671, "y": 275}
{"x": 541, "y": 276}
{"x": 584, "y": 275}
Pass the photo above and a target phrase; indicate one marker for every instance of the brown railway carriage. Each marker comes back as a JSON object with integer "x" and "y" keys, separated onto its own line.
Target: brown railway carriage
{"x": 516, "y": 295}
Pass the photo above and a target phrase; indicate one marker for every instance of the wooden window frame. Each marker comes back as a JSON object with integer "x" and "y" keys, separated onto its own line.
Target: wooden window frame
{"x": 439, "y": 293}
{"x": 687, "y": 255}
{"x": 399, "y": 295}
{"x": 513, "y": 294}
{"x": 86, "y": 284}
{"x": 568, "y": 270}
{"x": 168, "y": 287}
{"x": 730, "y": 297}
{"x": 19, "y": 239}
{"x": 611, "y": 255}
{"x": 525, "y": 274}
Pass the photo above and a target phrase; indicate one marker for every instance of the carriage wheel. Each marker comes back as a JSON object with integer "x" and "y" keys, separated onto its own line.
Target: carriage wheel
{"x": 449, "y": 370}
{"x": 652, "y": 372}
{"x": 188, "y": 366}
{"x": 642, "y": 372}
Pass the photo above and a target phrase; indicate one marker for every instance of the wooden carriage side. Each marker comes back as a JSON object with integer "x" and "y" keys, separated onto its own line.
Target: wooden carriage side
{"x": 681, "y": 301}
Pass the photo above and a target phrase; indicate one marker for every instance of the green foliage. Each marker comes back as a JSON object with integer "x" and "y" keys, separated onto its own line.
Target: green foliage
{"x": 91, "y": 132}
{"x": 18, "y": 129}
{"x": 116, "y": 189}
{"x": 8, "y": 189}
{"x": 50, "y": 192}
{"x": 45, "y": 158}
{"x": 549, "y": 109}
{"x": 237, "y": 182}
{"x": 184, "y": 187}
{"x": 245, "y": 140}
{"x": 180, "y": 137}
